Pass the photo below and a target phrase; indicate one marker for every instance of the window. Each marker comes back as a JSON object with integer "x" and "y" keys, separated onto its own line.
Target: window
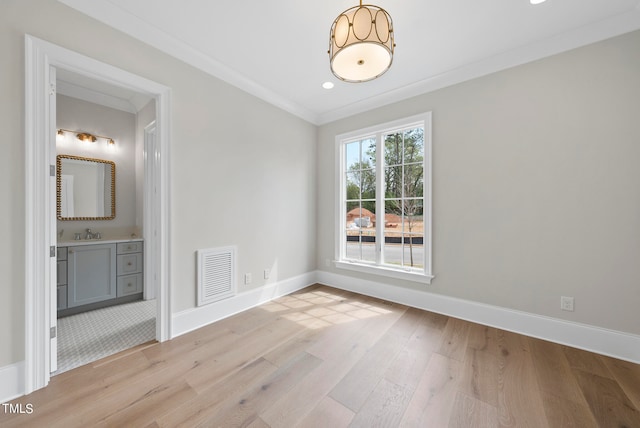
{"x": 384, "y": 214}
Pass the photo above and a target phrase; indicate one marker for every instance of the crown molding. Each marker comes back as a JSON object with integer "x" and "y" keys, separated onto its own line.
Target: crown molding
{"x": 582, "y": 36}
{"x": 74, "y": 91}
{"x": 110, "y": 14}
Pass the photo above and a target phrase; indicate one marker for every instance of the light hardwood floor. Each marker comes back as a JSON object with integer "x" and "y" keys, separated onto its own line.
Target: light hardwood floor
{"x": 328, "y": 358}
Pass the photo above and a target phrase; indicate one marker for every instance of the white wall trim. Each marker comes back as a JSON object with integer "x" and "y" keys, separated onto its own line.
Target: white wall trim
{"x": 110, "y": 14}
{"x": 192, "y": 319}
{"x": 11, "y": 381}
{"x": 76, "y": 91}
{"x": 625, "y": 346}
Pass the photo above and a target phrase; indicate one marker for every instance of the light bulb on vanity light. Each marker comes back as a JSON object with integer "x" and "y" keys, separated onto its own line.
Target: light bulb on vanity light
{"x": 536, "y": 1}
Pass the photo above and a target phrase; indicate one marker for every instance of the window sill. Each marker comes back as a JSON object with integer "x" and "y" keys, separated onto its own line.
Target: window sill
{"x": 384, "y": 271}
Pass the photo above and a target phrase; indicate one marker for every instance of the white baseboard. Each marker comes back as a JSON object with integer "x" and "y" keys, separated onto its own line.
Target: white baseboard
{"x": 624, "y": 346}
{"x": 11, "y": 381}
{"x": 192, "y": 319}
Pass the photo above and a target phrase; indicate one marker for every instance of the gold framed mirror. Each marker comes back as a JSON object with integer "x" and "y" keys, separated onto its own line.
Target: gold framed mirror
{"x": 85, "y": 188}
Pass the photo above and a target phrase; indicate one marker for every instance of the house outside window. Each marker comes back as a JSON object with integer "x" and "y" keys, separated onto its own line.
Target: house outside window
{"x": 384, "y": 206}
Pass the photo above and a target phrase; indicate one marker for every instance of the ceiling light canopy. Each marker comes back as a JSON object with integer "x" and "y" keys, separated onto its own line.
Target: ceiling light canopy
{"x": 361, "y": 43}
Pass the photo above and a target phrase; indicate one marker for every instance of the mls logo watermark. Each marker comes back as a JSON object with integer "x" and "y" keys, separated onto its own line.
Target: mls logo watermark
{"x": 23, "y": 409}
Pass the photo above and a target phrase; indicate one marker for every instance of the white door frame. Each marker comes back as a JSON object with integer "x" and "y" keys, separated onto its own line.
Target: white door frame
{"x": 39, "y": 283}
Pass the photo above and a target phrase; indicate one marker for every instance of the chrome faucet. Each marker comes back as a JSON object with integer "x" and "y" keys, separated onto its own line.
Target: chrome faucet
{"x": 89, "y": 235}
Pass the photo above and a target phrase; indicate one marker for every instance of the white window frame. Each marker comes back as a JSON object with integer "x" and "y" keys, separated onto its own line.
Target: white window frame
{"x": 424, "y": 275}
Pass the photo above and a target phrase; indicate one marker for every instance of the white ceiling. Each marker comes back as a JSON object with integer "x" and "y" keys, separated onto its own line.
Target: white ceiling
{"x": 277, "y": 50}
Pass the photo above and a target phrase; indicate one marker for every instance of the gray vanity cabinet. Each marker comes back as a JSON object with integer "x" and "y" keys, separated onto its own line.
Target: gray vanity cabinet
{"x": 129, "y": 268}
{"x": 91, "y": 274}
{"x": 94, "y": 275}
{"x": 61, "y": 282}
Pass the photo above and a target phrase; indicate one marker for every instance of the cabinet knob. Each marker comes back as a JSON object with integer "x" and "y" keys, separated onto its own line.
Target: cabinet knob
{"x": 129, "y": 264}
{"x": 129, "y": 285}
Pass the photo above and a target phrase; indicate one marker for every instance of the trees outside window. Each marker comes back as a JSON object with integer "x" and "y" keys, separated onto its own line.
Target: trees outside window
{"x": 385, "y": 197}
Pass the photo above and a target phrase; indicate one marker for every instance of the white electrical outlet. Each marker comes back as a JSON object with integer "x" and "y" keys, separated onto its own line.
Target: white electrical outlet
{"x": 267, "y": 273}
{"x": 247, "y": 278}
{"x": 566, "y": 303}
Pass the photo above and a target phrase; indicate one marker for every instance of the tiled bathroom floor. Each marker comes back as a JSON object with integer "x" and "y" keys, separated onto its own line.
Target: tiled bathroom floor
{"x": 89, "y": 336}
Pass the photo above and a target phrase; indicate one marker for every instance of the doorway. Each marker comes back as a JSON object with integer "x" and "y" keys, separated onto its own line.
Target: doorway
{"x": 42, "y": 59}
{"x": 101, "y": 311}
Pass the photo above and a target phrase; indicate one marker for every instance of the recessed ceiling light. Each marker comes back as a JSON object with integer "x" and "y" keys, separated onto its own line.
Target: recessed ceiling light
{"x": 536, "y": 1}
{"x": 327, "y": 85}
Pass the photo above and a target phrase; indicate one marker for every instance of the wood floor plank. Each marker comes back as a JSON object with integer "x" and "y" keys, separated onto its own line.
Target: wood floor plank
{"x": 297, "y": 361}
{"x": 479, "y": 376}
{"x": 433, "y": 399}
{"x": 207, "y": 403}
{"x": 293, "y": 406}
{"x": 258, "y": 423}
{"x": 257, "y": 397}
{"x": 608, "y": 402}
{"x": 483, "y": 338}
{"x": 565, "y": 413}
{"x": 412, "y": 360}
{"x": 73, "y": 390}
{"x": 628, "y": 377}
{"x": 249, "y": 348}
{"x": 291, "y": 348}
{"x": 384, "y": 407}
{"x": 454, "y": 339}
{"x": 137, "y": 411}
{"x": 470, "y": 412}
{"x": 519, "y": 397}
{"x": 554, "y": 375}
{"x": 359, "y": 312}
{"x": 328, "y": 413}
{"x": 586, "y": 361}
{"x": 352, "y": 391}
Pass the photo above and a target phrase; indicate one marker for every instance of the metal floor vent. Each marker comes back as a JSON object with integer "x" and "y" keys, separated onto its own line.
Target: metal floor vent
{"x": 216, "y": 274}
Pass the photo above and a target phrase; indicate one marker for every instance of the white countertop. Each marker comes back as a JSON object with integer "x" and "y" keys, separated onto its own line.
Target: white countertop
{"x": 96, "y": 241}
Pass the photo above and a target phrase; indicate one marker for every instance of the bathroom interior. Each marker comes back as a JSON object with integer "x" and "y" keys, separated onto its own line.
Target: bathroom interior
{"x": 104, "y": 303}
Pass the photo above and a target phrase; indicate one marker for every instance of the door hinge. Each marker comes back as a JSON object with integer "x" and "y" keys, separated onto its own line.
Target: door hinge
{"x": 52, "y": 89}
{"x": 52, "y": 251}
{"x": 53, "y": 332}
{"x": 52, "y": 170}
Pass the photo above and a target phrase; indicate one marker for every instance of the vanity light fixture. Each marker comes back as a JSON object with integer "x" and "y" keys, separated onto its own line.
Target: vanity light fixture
{"x": 86, "y": 137}
{"x": 361, "y": 43}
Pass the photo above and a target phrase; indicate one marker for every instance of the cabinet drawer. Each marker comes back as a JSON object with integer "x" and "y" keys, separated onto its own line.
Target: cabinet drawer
{"x": 62, "y": 297}
{"x": 129, "y": 247}
{"x": 129, "y": 284}
{"x": 61, "y": 272}
{"x": 129, "y": 263}
{"x": 62, "y": 253}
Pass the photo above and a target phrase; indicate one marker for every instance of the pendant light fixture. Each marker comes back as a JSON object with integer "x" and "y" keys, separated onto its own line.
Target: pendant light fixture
{"x": 361, "y": 43}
